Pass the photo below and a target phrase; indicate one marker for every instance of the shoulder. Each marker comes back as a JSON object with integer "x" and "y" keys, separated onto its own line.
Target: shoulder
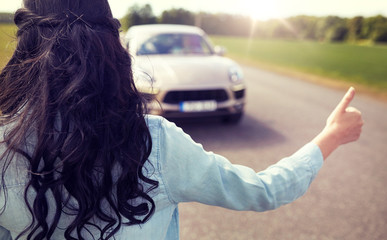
{"x": 154, "y": 121}
{"x": 164, "y": 130}
{"x": 160, "y": 125}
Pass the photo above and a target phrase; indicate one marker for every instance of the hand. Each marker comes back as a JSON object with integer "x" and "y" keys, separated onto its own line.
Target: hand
{"x": 343, "y": 125}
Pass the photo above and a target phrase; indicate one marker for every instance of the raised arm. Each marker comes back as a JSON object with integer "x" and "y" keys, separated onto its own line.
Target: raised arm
{"x": 343, "y": 125}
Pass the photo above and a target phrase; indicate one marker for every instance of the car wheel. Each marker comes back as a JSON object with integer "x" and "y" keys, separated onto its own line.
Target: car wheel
{"x": 233, "y": 118}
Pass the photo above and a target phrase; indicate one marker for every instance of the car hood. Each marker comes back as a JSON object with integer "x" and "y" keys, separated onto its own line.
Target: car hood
{"x": 168, "y": 71}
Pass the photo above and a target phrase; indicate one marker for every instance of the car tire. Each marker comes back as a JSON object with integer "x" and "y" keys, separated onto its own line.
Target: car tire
{"x": 233, "y": 118}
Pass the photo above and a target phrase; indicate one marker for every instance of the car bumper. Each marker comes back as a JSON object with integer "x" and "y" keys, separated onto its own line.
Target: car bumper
{"x": 232, "y": 104}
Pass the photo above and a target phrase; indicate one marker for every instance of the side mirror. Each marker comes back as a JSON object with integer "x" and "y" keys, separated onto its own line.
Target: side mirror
{"x": 220, "y": 51}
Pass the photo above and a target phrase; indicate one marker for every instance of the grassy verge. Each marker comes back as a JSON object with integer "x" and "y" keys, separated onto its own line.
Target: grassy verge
{"x": 340, "y": 65}
{"x": 7, "y": 42}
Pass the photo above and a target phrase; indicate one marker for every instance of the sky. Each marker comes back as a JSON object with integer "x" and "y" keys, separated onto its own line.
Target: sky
{"x": 258, "y": 9}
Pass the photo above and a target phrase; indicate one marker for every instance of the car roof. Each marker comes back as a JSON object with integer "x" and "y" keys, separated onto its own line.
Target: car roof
{"x": 165, "y": 28}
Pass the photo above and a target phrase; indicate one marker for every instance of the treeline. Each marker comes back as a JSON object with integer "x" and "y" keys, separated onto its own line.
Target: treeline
{"x": 6, "y": 17}
{"x": 329, "y": 28}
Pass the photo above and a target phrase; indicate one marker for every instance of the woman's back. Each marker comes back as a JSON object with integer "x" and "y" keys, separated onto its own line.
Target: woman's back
{"x": 16, "y": 216}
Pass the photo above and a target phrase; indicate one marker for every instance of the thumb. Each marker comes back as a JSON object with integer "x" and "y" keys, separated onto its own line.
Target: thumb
{"x": 344, "y": 103}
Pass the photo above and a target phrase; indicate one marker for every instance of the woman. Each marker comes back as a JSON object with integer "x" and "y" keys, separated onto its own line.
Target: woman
{"x": 81, "y": 160}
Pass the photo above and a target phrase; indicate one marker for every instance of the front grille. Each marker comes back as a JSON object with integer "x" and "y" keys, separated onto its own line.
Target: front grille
{"x": 175, "y": 97}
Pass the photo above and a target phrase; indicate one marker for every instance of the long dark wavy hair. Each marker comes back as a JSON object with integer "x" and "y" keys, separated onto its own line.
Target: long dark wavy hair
{"x": 69, "y": 84}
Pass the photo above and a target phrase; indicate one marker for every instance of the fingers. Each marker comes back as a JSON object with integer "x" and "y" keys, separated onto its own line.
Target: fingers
{"x": 344, "y": 103}
{"x": 351, "y": 123}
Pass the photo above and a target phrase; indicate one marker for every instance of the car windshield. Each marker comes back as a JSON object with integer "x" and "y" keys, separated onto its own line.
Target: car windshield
{"x": 175, "y": 44}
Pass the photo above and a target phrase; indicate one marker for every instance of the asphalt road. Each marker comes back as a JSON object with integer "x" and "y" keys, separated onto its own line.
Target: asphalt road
{"x": 347, "y": 200}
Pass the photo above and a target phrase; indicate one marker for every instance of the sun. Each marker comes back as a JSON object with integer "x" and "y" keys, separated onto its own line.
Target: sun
{"x": 260, "y": 9}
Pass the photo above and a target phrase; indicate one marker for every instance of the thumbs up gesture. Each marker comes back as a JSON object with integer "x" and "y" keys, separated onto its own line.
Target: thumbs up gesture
{"x": 343, "y": 125}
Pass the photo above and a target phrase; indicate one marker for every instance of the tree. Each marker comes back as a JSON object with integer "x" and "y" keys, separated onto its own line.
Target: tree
{"x": 332, "y": 28}
{"x": 355, "y": 26}
{"x": 139, "y": 15}
{"x": 225, "y": 24}
{"x": 375, "y": 28}
{"x": 178, "y": 16}
{"x": 337, "y": 33}
{"x": 304, "y": 27}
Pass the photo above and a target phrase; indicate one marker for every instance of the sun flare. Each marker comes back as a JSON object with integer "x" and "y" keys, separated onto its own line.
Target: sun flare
{"x": 260, "y": 9}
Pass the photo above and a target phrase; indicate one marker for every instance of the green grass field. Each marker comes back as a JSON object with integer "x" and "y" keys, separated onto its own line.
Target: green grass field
{"x": 7, "y": 42}
{"x": 362, "y": 66}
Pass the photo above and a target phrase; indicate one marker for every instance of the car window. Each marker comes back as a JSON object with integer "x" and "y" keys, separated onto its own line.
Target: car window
{"x": 176, "y": 44}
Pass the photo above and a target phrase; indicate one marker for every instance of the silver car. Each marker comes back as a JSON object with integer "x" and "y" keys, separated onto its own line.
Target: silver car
{"x": 184, "y": 74}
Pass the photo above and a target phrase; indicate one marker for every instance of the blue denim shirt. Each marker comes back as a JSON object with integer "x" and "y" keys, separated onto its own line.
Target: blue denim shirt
{"x": 186, "y": 173}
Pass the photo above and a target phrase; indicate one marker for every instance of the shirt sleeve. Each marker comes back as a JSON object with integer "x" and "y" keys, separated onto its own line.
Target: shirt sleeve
{"x": 192, "y": 174}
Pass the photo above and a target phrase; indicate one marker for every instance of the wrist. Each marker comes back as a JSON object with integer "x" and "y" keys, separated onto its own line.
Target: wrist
{"x": 327, "y": 141}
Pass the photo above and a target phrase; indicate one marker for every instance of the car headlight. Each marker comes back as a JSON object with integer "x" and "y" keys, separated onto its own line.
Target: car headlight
{"x": 235, "y": 74}
{"x": 144, "y": 82}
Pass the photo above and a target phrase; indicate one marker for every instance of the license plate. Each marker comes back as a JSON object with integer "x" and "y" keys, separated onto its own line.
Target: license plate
{"x": 198, "y": 106}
